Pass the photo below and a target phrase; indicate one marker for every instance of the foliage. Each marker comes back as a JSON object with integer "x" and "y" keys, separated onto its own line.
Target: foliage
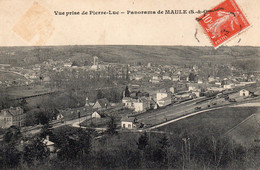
{"x": 111, "y": 127}
{"x": 35, "y": 150}
{"x": 192, "y": 77}
{"x": 100, "y": 94}
{"x": 72, "y": 143}
{"x": 12, "y": 135}
{"x": 142, "y": 141}
{"x": 127, "y": 92}
{"x": 42, "y": 118}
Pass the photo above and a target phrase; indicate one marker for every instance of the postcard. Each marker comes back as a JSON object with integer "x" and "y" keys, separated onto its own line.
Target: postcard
{"x": 129, "y": 84}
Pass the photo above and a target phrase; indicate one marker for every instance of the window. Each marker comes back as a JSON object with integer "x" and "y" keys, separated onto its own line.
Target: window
{"x": 123, "y": 125}
{"x": 129, "y": 125}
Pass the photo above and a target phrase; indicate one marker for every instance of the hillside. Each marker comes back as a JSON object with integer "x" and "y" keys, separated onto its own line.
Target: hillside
{"x": 20, "y": 56}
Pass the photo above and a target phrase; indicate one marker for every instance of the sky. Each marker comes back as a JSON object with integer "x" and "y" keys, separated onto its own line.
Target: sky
{"x": 29, "y": 23}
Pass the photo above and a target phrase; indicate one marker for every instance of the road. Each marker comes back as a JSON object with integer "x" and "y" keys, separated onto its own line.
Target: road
{"x": 169, "y": 112}
{"x": 177, "y": 110}
{"x": 181, "y": 115}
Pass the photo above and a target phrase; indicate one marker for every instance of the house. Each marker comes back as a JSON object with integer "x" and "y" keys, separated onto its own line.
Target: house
{"x": 155, "y": 81}
{"x": 156, "y": 78}
{"x": 12, "y": 117}
{"x": 67, "y": 64}
{"x": 200, "y": 81}
{"x": 197, "y": 93}
{"x": 166, "y": 77}
{"x": 211, "y": 79}
{"x": 246, "y": 92}
{"x": 194, "y": 87}
{"x": 175, "y": 78}
{"x": 164, "y": 101}
{"x": 229, "y": 86}
{"x": 172, "y": 89}
{"x": 60, "y": 116}
{"x": 161, "y": 95}
{"x": 128, "y": 102}
{"x": 138, "y": 77}
{"x": 50, "y": 145}
{"x": 128, "y": 122}
{"x": 141, "y": 105}
{"x": 97, "y": 115}
{"x": 101, "y": 104}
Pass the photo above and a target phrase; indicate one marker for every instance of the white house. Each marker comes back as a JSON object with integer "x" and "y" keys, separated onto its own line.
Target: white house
{"x": 49, "y": 144}
{"x": 165, "y": 77}
{"x": 164, "y": 101}
{"x": 200, "y": 81}
{"x": 228, "y": 86}
{"x": 59, "y": 116}
{"x": 96, "y": 115}
{"x": 246, "y": 92}
{"x": 197, "y": 93}
{"x": 156, "y": 78}
{"x": 161, "y": 95}
{"x": 211, "y": 79}
{"x": 128, "y": 122}
{"x": 142, "y": 105}
{"x": 175, "y": 78}
{"x": 127, "y": 101}
{"x": 172, "y": 89}
{"x": 67, "y": 64}
{"x": 101, "y": 104}
{"x": 139, "y": 105}
{"x": 194, "y": 87}
{"x": 154, "y": 81}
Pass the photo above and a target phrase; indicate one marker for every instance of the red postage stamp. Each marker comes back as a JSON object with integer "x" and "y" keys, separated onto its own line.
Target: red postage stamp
{"x": 223, "y": 22}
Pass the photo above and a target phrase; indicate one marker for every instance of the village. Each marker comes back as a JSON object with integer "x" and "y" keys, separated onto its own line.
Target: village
{"x": 149, "y": 88}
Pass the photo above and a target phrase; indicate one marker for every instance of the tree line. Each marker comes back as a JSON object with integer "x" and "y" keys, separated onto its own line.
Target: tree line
{"x": 85, "y": 149}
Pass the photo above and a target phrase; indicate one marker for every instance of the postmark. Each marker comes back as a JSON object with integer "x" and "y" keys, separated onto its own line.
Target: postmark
{"x": 36, "y": 25}
{"x": 223, "y": 22}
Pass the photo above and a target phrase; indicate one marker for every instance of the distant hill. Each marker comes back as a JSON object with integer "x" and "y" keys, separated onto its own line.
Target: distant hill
{"x": 20, "y": 56}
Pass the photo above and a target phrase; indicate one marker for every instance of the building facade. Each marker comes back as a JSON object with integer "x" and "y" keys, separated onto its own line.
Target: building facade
{"x": 12, "y": 117}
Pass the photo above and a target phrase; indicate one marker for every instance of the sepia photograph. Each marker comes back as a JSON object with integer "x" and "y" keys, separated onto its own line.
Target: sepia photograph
{"x": 130, "y": 107}
{"x": 129, "y": 85}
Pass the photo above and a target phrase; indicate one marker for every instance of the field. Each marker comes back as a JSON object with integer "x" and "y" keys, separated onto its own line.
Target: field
{"x": 23, "y": 91}
{"x": 213, "y": 123}
{"x": 5, "y": 76}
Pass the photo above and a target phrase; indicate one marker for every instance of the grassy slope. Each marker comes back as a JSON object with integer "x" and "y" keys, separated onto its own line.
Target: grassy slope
{"x": 214, "y": 123}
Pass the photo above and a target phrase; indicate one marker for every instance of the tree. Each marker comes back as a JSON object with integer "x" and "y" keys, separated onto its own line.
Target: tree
{"x": 111, "y": 128}
{"x": 160, "y": 153}
{"x": 127, "y": 92}
{"x": 13, "y": 135}
{"x": 100, "y": 94}
{"x": 74, "y": 63}
{"x": 142, "y": 141}
{"x": 72, "y": 143}
{"x": 192, "y": 77}
{"x": 35, "y": 150}
{"x": 23, "y": 103}
{"x": 46, "y": 130}
{"x": 42, "y": 118}
{"x": 10, "y": 154}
